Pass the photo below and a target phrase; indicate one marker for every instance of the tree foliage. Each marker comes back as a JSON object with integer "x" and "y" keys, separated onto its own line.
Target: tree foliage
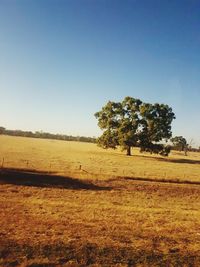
{"x": 134, "y": 123}
{"x": 180, "y": 143}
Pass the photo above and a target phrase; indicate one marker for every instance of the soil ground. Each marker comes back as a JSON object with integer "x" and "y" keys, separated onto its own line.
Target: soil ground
{"x": 125, "y": 215}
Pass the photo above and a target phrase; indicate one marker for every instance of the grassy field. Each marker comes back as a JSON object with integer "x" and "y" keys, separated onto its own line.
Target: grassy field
{"x": 65, "y": 158}
{"x": 105, "y": 213}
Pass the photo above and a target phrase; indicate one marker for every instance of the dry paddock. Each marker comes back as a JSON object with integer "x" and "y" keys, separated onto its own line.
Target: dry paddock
{"x": 75, "y": 218}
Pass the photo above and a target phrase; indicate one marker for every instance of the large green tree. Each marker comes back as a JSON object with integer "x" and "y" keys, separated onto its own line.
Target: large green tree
{"x": 134, "y": 123}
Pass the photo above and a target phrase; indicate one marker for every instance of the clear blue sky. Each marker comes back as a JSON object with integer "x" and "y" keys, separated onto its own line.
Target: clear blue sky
{"x": 61, "y": 61}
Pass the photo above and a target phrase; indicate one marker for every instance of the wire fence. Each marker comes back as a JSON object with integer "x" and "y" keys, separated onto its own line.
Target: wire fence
{"x": 77, "y": 169}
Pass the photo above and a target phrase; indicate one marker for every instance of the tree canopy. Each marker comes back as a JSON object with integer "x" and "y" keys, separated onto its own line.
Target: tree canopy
{"x": 180, "y": 143}
{"x": 134, "y": 123}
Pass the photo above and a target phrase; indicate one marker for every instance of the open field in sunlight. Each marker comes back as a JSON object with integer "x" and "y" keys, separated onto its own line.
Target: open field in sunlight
{"x": 65, "y": 158}
{"x": 55, "y": 214}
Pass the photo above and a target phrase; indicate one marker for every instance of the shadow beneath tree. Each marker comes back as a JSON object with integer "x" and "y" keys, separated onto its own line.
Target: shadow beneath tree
{"x": 184, "y": 161}
{"x": 24, "y": 177}
{"x": 167, "y": 159}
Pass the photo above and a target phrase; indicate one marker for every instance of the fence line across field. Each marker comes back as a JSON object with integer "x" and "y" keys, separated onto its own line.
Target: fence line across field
{"x": 69, "y": 167}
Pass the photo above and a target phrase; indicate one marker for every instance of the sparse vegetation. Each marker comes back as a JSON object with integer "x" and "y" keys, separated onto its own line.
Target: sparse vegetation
{"x": 74, "y": 217}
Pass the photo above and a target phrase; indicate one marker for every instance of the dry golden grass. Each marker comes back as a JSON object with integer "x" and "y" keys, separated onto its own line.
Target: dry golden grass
{"x": 66, "y": 157}
{"x": 98, "y": 220}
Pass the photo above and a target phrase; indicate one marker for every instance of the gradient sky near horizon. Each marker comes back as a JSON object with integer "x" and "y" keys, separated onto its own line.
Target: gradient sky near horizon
{"x": 61, "y": 61}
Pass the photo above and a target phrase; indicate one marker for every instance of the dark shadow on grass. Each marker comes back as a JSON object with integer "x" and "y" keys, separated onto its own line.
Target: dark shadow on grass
{"x": 157, "y": 180}
{"x": 91, "y": 254}
{"x": 41, "y": 179}
{"x": 167, "y": 159}
{"x": 184, "y": 161}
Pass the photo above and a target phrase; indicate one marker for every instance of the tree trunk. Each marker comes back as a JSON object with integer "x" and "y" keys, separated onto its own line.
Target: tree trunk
{"x": 185, "y": 151}
{"x": 128, "y": 152}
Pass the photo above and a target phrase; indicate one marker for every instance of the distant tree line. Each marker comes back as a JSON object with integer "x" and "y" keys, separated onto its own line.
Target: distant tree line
{"x": 179, "y": 143}
{"x": 46, "y": 135}
{"x": 193, "y": 149}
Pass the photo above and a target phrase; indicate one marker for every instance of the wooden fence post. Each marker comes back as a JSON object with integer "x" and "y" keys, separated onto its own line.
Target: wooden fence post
{"x": 2, "y": 163}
